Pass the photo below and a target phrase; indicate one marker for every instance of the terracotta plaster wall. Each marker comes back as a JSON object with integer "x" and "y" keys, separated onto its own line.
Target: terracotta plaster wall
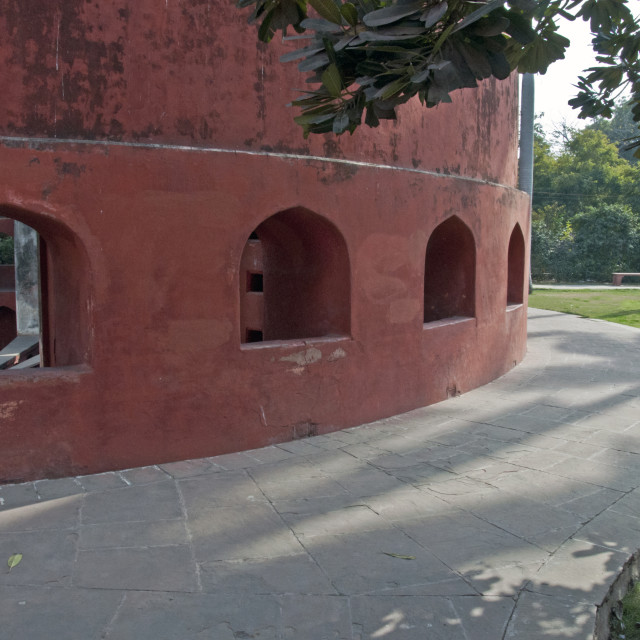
{"x": 117, "y": 139}
{"x": 165, "y": 376}
{"x": 190, "y": 72}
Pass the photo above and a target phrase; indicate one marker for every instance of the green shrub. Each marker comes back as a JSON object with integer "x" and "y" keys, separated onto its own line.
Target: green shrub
{"x": 606, "y": 239}
{"x": 6, "y": 249}
{"x": 552, "y": 252}
{"x": 590, "y": 246}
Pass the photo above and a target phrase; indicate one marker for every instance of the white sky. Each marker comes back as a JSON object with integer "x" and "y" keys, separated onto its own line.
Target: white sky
{"x": 554, "y": 89}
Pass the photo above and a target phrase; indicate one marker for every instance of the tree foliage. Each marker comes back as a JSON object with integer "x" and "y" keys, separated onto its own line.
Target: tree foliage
{"x": 364, "y": 58}
{"x": 620, "y": 129}
{"x": 588, "y": 169}
{"x": 586, "y": 201}
{"x": 605, "y": 240}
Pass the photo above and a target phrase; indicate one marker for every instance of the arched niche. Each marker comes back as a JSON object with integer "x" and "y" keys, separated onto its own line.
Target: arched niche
{"x": 294, "y": 279}
{"x": 64, "y": 289}
{"x": 515, "y": 267}
{"x": 450, "y": 272}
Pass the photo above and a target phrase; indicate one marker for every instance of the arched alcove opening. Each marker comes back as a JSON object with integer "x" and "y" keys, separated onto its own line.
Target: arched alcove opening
{"x": 295, "y": 279}
{"x": 450, "y": 272}
{"x": 52, "y": 293}
{"x": 515, "y": 267}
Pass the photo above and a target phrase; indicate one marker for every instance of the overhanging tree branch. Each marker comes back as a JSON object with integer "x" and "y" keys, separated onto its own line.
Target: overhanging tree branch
{"x": 365, "y": 58}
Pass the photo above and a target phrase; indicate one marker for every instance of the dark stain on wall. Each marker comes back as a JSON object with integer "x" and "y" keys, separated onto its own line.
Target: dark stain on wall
{"x": 69, "y": 68}
{"x": 192, "y": 73}
{"x": 69, "y": 168}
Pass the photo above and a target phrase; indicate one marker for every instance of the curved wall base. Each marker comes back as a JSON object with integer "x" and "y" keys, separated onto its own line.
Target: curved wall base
{"x": 145, "y": 302}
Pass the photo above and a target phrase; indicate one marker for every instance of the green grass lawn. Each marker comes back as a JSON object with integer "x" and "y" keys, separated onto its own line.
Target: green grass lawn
{"x": 629, "y": 627}
{"x": 622, "y": 306}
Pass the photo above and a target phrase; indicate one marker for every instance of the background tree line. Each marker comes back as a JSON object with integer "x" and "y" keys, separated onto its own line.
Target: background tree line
{"x": 586, "y": 201}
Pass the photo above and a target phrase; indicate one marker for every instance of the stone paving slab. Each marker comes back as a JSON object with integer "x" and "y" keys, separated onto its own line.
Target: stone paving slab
{"x": 503, "y": 514}
{"x": 63, "y": 614}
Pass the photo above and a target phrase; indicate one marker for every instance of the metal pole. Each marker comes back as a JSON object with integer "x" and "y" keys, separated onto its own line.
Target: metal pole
{"x": 525, "y": 164}
{"x": 27, "y": 279}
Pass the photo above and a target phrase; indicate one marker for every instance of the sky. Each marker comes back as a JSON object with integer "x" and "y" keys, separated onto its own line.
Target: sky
{"x": 554, "y": 89}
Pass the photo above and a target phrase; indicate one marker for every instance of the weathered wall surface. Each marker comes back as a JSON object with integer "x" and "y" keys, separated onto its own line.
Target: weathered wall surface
{"x": 145, "y": 141}
{"x": 190, "y": 72}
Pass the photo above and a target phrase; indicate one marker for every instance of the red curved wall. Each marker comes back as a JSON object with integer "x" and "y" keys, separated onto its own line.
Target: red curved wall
{"x": 146, "y": 141}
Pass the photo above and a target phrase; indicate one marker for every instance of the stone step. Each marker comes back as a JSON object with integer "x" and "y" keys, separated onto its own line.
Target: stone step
{"x": 18, "y": 350}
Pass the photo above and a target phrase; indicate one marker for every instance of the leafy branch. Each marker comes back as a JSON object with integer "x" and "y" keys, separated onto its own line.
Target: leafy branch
{"x": 364, "y": 58}
{"x": 616, "y": 44}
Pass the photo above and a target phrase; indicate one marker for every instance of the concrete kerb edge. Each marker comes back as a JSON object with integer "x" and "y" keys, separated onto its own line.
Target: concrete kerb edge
{"x": 612, "y": 602}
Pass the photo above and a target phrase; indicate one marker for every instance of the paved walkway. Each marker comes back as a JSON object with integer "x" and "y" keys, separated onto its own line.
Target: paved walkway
{"x": 504, "y": 513}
